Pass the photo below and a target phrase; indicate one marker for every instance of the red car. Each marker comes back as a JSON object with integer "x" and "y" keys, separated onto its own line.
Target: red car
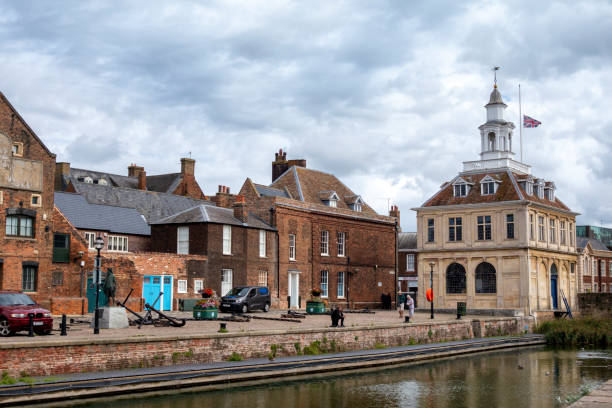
{"x": 14, "y": 310}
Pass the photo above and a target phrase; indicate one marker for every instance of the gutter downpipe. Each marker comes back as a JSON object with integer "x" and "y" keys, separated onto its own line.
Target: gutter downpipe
{"x": 273, "y": 223}
{"x": 396, "y": 263}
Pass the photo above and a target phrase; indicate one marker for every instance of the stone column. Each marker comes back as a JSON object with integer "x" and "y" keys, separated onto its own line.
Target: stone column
{"x": 499, "y": 279}
{"x": 470, "y": 277}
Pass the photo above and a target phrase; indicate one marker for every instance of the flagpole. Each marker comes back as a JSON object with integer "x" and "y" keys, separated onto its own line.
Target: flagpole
{"x": 521, "y": 123}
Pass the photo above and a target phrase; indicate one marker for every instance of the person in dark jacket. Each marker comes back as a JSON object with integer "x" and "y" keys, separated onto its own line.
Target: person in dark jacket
{"x": 110, "y": 286}
{"x": 337, "y": 317}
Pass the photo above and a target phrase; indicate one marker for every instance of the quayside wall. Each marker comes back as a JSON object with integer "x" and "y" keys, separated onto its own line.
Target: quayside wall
{"x": 39, "y": 357}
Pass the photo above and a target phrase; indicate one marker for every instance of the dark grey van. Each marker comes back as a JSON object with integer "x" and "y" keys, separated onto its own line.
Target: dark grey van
{"x": 246, "y": 298}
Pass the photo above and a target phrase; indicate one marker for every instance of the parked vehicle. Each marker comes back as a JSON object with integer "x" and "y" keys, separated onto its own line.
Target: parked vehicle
{"x": 246, "y": 298}
{"x": 14, "y": 310}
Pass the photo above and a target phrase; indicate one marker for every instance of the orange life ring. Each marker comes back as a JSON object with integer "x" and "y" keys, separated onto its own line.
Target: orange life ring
{"x": 429, "y": 295}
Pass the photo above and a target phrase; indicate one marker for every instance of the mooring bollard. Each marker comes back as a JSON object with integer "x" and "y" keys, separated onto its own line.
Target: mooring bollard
{"x": 63, "y": 326}
{"x": 406, "y": 319}
{"x": 31, "y": 328}
{"x": 222, "y": 326}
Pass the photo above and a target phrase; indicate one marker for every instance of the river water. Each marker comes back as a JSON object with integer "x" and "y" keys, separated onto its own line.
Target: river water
{"x": 522, "y": 377}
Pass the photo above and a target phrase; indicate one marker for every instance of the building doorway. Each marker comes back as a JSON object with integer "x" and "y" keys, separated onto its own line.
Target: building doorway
{"x": 294, "y": 290}
{"x": 151, "y": 288}
{"x": 553, "y": 285}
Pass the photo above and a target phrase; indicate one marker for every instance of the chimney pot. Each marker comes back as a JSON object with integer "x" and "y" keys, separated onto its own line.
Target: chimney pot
{"x": 187, "y": 166}
{"x": 142, "y": 180}
{"x": 240, "y": 209}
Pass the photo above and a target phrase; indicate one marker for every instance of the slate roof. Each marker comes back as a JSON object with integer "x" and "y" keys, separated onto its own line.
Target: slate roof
{"x": 582, "y": 242}
{"x": 307, "y": 185}
{"x": 162, "y": 183}
{"x": 270, "y": 192}
{"x": 212, "y": 214}
{"x": 153, "y": 205}
{"x": 84, "y": 215}
{"x": 508, "y": 190}
{"x": 407, "y": 240}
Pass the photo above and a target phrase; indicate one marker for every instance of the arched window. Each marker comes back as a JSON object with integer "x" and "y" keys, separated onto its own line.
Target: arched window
{"x": 486, "y": 279}
{"x": 553, "y": 269}
{"x": 455, "y": 278}
{"x": 491, "y": 141}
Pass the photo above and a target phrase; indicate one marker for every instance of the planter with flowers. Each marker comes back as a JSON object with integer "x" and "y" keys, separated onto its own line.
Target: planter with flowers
{"x": 208, "y": 307}
{"x": 315, "y": 305}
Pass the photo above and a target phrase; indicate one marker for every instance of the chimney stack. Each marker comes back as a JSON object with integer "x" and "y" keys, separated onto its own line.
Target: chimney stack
{"x": 187, "y": 167}
{"x": 61, "y": 169}
{"x": 240, "y": 209}
{"x": 142, "y": 180}
{"x": 281, "y": 164}
{"x": 394, "y": 212}
{"x": 133, "y": 170}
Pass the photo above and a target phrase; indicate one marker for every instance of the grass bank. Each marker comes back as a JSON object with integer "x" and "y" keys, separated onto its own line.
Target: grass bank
{"x": 582, "y": 332}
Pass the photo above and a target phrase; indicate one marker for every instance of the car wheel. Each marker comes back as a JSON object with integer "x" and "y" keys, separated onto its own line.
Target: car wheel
{"x": 245, "y": 308}
{"x": 266, "y": 308}
{"x": 4, "y": 328}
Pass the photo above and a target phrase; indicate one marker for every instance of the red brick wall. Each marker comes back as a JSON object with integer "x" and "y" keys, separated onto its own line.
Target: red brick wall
{"x": 207, "y": 239}
{"x": 189, "y": 187}
{"x": 401, "y": 267}
{"x": 112, "y": 354}
{"x": 13, "y": 250}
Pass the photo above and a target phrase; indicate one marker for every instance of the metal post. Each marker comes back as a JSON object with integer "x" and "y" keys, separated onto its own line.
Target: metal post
{"x": 63, "y": 326}
{"x": 97, "y": 311}
{"x": 31, "y": 325}
{"x": 431, "y": 265}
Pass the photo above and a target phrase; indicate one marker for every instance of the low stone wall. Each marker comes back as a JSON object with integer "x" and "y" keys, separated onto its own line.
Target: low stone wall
{"x": 75, "y": 356}
{"x": 595, "y": 304}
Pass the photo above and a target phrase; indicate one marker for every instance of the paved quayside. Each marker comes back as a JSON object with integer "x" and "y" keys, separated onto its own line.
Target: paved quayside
{"x": 598, "y": 398}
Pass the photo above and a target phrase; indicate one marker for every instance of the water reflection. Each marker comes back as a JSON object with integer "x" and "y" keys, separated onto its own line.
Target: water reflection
{"x": 516, "y": 378}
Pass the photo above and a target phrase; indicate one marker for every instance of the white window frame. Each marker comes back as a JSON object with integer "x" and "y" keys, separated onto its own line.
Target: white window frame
{"x": 117, "y": 243}
{"x": 324, "y": 243}
{"x": 263, "y": 278}
{"x": 541, "y": 228}
{"x": 38, "y": 198}
{"x": 227, "y": 240}
{"x": 609, "y": 269}
{"x": 531, "y": 227}
{"x": 553, "y": 230}
{"x": 292, "y": 247}
{"x": 90, "y": 237}
{"x": 460, "y": 190}
{"x": 340, "y": 285}
{"x": 563, "y": 232}
{"x": 333, "y": 203}
{"x": 341, "y": 244}
{"x": 324, "y": 284}
{"x": 357, "y": 207}
{"x": 487, "y": 185}
{"x": 409, "y": 262}
{"x": 262, "y": 243}
{"x": 182, "y": 240}
{"x": 181, "y": 286}
{"x": 198, "y": 285}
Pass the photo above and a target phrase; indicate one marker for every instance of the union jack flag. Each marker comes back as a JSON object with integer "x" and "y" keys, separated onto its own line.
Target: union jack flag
{"x": 530, "y": 122}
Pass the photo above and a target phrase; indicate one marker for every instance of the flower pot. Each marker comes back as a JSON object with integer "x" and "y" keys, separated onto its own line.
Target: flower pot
{"x": 205, "y": 314}
{"x": 315, "y": 307}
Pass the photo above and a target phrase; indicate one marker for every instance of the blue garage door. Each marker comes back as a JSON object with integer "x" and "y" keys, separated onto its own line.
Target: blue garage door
{"x": 152, "y": 286}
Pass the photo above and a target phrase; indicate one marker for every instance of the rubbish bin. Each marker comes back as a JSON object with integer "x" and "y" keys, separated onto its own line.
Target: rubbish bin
{"x": 461, "y": 309}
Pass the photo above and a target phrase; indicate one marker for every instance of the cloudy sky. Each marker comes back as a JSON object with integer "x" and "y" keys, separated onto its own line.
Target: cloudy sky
{"x": 387, "y": 95}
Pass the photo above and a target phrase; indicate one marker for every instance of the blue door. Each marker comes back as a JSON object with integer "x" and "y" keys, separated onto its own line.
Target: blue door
{"x": 152, "y": 286}
{"x": 167, "y": 293}
{"x": 553, "y": 290}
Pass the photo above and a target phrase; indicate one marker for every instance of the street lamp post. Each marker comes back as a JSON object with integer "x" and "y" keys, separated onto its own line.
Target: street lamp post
{"x": 99, "y": 244}
{"x": 431, "y": 265}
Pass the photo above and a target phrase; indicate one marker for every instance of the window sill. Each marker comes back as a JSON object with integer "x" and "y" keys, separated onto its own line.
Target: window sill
{"x": 340, "y": 297}
{"x": 324, "y": 254}
{"x": 227, "y": 254}
{"x": 292, "y": 260}
{"x": 181, "y": 293}
{"x": 17, "y": 237}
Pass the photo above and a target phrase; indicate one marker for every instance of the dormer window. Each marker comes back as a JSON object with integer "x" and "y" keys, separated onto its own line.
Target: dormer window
{"x": 488, "y": 185}
{"x": 461, "y": 188}
{"x": 88, "y": 180}
{"x": 329, "y": 198}
{"x": 354, "y": 202}
{"x": 550, "y": 191}
{"x": 357, "y": 207}
{"x": 102, "y": 182}
{"x": 529, "y": 188}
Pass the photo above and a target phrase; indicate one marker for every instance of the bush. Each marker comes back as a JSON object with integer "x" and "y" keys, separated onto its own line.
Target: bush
{"x": 580, "y": 332}
{"x": 235, "y": 357}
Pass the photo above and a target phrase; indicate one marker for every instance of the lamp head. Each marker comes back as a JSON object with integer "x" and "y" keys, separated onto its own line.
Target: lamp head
{"x": 99, "y": 243}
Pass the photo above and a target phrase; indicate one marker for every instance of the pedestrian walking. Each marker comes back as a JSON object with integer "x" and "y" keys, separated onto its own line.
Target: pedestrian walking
{"x": 410, "y": 305}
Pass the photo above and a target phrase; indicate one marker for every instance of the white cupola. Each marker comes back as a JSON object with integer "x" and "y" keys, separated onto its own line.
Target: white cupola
{"x": 496, "y": 139}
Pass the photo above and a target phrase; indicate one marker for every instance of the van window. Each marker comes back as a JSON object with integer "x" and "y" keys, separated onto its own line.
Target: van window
{"x": 253, "y": 293}
{"x": 263, "y": 291}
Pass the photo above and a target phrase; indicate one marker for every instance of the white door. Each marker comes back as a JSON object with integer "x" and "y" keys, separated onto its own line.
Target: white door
{"x": 294, "y": 290}
{"x": 226, "y": 281}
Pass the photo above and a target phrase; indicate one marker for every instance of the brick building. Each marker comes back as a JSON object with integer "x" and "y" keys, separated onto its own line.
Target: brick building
{"x": 328, "y": 237}
{"x": 594, "y": 265}
{"x": 407, "y": 263}
{"x": 240, "y": 247}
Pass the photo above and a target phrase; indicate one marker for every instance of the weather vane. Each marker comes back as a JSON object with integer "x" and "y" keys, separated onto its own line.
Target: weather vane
{"x": 495, "y": 69}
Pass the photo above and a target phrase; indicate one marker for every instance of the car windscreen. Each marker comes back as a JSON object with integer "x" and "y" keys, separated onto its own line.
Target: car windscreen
{"x": 9, "y": 299}
{"x": 238, "y": 292}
